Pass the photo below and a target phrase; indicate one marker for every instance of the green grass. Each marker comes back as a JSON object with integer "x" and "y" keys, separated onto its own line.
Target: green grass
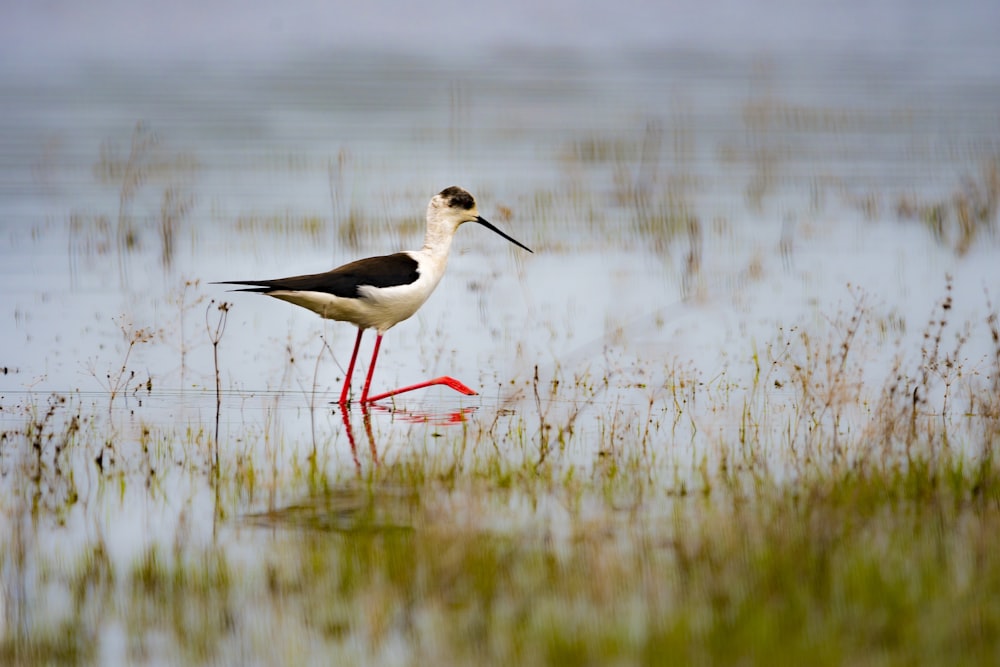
{"x": 877, "y": 565}
{"x": 858, "y": 569}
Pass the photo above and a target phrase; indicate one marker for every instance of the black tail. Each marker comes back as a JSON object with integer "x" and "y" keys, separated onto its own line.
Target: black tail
{"x": 261, "y": 286}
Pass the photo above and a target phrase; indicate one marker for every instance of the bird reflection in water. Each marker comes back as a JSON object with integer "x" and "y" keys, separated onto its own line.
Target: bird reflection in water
{"x": 435, "y": 418}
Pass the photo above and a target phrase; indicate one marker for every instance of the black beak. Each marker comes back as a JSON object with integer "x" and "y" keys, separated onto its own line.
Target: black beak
{"x": 485, "y": 223}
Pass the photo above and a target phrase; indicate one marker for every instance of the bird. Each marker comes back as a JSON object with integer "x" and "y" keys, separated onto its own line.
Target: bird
{"x": 380, "y": 292}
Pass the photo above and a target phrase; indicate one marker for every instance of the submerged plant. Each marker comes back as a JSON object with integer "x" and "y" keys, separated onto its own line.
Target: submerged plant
{"x": 149, "y": 174}
{"x": 965, "y": 217}
{"x": 122, "y": 380}
{"x": 215, "y": 336}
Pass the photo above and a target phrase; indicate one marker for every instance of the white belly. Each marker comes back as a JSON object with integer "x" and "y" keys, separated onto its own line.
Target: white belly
{"x": 376, "y": 308}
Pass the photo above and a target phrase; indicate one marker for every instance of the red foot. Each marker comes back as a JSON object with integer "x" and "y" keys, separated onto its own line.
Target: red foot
{"x": 444, "y": 379}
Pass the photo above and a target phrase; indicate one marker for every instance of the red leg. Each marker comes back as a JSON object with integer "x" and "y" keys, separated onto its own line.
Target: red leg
{"x": 371, "y": 369}
{"x": 350, "y": 370}
{"x": 444, "y": 379}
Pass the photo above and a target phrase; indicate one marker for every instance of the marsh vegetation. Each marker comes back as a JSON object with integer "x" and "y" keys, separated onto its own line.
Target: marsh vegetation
{"x": 743, "y": 406}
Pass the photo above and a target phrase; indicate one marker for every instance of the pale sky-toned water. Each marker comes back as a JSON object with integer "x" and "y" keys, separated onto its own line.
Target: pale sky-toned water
{"x": 944, "y": 37}
{"x": 791, "y": 132}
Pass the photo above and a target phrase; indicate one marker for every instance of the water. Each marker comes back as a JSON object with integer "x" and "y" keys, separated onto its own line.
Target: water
{"x": 794, "y": 184}
{"x": 793, "y": 170}
{"x": 692, "y": 212}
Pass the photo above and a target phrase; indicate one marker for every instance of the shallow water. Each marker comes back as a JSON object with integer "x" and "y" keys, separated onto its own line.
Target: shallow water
{"x": 691, "y": 217}
{"x": 791, "y": 170}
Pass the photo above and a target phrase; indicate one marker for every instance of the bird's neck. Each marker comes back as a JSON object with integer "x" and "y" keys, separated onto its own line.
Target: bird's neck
{"x": 437, "y": 242}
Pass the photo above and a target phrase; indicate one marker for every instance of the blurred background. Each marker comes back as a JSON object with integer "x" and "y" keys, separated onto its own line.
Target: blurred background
{"x": 711, "y": 154}
{"x": 958, "y": 39}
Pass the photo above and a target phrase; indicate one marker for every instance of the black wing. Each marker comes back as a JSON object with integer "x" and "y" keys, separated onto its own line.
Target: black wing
{"x": 344, "y": 281}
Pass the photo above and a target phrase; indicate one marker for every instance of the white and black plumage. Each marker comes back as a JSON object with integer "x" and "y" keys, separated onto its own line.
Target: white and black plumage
{"x": 380, "y": 292}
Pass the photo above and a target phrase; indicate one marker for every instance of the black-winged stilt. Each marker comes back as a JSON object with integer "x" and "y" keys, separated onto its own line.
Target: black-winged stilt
{"x": 380, "y": 292}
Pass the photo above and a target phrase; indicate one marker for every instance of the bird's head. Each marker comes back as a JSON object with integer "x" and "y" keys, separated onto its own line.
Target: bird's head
{"x": 454, "y": 206}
